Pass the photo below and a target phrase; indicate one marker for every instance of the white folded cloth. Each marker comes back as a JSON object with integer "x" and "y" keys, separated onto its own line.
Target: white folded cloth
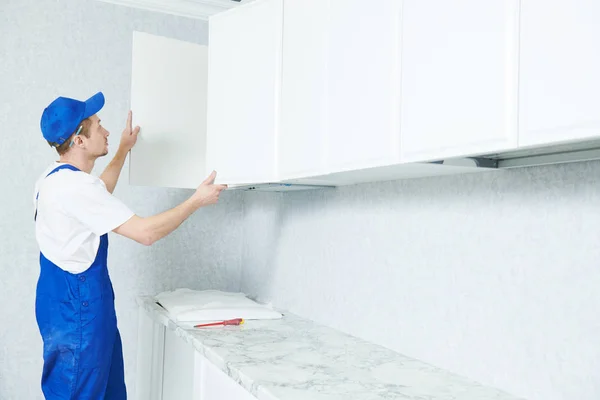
{"x": 186, "y": 305}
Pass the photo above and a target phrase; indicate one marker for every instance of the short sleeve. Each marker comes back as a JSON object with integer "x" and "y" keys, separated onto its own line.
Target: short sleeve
{"x": 91, "y": 204}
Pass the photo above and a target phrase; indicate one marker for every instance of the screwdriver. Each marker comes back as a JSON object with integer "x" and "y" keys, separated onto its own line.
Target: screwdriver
{"x": 236, "y": 321}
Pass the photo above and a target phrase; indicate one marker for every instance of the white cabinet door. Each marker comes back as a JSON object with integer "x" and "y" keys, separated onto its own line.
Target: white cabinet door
{"x": 340, "y": 86}
{"x": 559, "y": 73}
{"x": 363, "y": 83}
{"x": 244, "y": 85}
{"x": 168, "y": 99}
{"x": 302, "y": 137}
{"x": 215, "y": 384}
{"x": 178, "y": 368}
{"x": 459, "y": 78}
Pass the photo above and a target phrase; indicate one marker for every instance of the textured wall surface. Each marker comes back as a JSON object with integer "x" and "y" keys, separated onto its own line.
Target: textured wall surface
{"x": 494, "y": 276}
{"x": 76, "y": 48}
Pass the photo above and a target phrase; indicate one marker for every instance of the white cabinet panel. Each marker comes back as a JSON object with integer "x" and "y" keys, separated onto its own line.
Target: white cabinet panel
{"x": 302, "y": 137}
{"x": 178, "y": 370}
{"x": 245, "y": 46}
{"x": 150, "y": 344}
{"x": 459, "y": 78}
{"x": 363, "y": 72}
{"x": 168, "y": 99}
{"x": 216, "y": 385}
{"x": 559, "y": 73}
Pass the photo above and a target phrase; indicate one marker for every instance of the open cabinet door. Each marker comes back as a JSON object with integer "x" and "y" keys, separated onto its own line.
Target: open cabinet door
{"x": 168, "y": 100}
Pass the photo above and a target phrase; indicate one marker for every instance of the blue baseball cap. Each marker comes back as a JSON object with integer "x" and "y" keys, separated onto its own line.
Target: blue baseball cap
{"x": 62, "y": 117}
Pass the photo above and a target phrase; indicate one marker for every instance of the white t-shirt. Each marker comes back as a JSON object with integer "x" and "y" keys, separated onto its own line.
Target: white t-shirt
{"x": 73, "y": 210}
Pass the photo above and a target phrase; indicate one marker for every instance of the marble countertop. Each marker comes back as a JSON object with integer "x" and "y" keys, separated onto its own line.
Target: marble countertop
{"x": 297, "y": 359}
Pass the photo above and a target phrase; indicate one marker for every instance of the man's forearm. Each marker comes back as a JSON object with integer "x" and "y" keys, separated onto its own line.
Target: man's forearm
{"x": 160, "y": 225}
{"x": 151, "y": 229}
{"x": 148, "y": 230}
{"x": 110, "y": 176}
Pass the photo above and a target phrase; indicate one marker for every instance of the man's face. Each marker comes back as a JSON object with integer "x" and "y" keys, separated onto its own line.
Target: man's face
{"x": 97, "y": 143}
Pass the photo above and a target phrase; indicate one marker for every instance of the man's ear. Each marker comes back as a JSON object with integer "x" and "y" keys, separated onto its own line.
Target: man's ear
{"x": 78, "y": 141}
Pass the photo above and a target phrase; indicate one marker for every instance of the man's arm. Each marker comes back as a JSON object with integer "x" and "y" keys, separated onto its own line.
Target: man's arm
{"x": 110, "y": 176}
{"x": 151, "y": 229}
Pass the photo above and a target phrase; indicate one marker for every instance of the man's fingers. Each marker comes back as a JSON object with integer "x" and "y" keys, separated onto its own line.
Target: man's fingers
{"x": 136, "y": 130}
{"x": 211, "y": 179}
{"x": 129, "y": 114}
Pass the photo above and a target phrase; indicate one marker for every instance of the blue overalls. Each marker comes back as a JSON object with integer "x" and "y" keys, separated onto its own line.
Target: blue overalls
{"x": 76, "y": 317}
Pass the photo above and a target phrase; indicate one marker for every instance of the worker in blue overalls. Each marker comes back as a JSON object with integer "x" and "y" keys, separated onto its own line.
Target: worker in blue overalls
{"x": 74, "y": 211}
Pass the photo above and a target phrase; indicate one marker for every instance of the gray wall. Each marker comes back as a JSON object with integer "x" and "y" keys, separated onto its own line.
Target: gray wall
{"x": 75, "y": 48}
{"x": 495, "y": 276}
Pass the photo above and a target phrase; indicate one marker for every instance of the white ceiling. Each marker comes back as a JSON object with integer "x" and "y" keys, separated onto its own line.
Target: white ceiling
{"x": 199, "y": 9}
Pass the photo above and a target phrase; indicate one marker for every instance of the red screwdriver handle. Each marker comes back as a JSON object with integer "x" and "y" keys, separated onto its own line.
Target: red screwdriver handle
{"x": 236, "y": 321}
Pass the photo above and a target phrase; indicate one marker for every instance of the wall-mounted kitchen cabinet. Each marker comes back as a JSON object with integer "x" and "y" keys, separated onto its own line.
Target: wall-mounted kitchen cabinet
{"x": 559, "y": 79}
{"x": 341, "y": 86}
{"x": 363, "y": 77}
{"x": 459, "y": 78}
{"x": 204, "y": 108}
{"x": 327, "y": 97}
{"x": 334, "y": 92}
{"x": 168, "y": 99}
{"x": 302, "y": 143}
{"x": 244, "y": 86}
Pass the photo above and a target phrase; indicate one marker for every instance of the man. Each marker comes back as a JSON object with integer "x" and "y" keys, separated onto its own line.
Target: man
{"x": 74, "y": 213}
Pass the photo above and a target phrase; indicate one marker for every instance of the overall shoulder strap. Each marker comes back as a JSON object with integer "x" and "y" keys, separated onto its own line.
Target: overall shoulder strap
{"x": 64, "y": 166}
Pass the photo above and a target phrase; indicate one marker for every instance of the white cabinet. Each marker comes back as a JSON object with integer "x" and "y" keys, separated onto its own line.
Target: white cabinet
{"x": 303, "y": 134}
{"x": 204, "y": 108}
{"x": 340, "y": 86}
{"x": 459, "y": 78}
{"x": 168, "y": 99}
{"x": 363, "y": 77}
{"x": 178, "y": 368}
{"x": 244, "y": 85}
{"x": 301, "y": 90}
{"x": 150, "y": 357}
{"x": 214, "y": 384}
{"x": 559, "y": 73}
{"x": 169, "y": 368}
